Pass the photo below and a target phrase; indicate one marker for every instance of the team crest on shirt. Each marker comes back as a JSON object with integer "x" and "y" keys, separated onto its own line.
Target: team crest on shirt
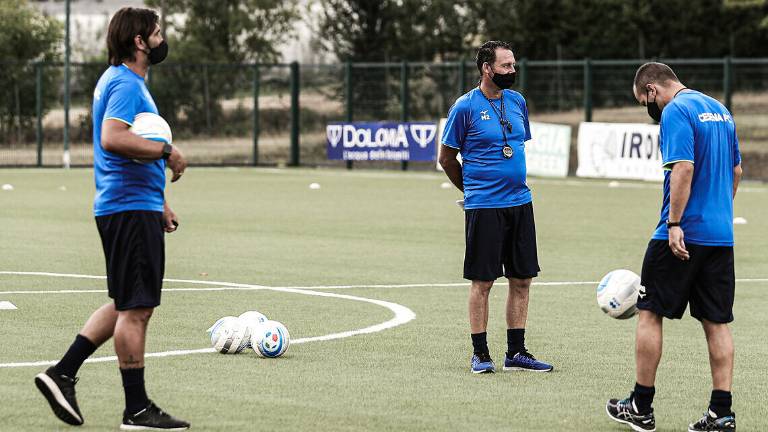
{"x": 484, "y": 115}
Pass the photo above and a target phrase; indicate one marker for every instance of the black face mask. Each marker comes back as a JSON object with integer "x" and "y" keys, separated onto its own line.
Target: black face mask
{"x": 653, "y": 108}
{"x": 158, "y": 53}
{"x": 504, "y": 81}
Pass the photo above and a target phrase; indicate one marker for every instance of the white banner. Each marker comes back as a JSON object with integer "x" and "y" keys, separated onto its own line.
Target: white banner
{"x": 620, "y": 151}
{"x": 546, "y": 155}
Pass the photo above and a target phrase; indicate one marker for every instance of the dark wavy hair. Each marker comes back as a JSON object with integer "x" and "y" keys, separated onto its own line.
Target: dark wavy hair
{"x": 123, "y": 28}
{"x": 486, "y": 53}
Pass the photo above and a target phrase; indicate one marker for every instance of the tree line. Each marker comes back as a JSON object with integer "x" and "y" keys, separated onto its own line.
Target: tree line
{"x": 237, "y": 31}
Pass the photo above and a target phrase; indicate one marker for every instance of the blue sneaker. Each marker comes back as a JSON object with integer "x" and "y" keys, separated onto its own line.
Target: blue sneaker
{"x": 524, "y": 361}
{"x": 482, "y": 363}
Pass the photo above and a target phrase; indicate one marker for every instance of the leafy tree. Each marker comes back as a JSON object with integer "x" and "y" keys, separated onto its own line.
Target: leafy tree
{"x": 225, "y": 31}
{"x": 394, "y": 30}
{"x": 27, "y": 37}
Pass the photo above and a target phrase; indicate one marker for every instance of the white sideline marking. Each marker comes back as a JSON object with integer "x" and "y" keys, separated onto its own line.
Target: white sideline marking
{"x": 303, "y": 288}
{"x": 402, "y": 316}
{"x": 6, "y": 305}
{"x": 103, "y": 291}
{"x": 242, "y": 287}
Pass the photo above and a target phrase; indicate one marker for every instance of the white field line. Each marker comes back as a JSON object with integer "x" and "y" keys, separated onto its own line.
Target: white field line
{"x": 243, "y": 287}
{"x": 402, "y": 316}
{"x": 308, "y": 287}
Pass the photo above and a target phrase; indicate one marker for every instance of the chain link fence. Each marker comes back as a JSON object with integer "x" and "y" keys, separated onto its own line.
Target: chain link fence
{"x": 257, "y": 114}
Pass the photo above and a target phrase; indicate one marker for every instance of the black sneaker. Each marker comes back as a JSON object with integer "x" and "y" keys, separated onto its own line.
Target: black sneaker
{"x": 59, "y": 390}
{"x": 152, "y": 418}
{"x": 624, "y": 411}
{"x": 712, "y": 423}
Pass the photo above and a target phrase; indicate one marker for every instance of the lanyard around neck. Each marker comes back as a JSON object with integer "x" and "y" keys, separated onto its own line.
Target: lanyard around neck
{"x": 503, "y": 122}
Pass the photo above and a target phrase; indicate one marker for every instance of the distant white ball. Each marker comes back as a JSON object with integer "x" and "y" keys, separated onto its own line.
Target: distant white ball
{"x": 229, "y": 335}
{"x": 253, "y": 320}
{"x": 617, "y": 294}
{"x": 445, "y": 185}
{"x": 7, "y": 187}
{"x": 314, "y": 186}
{"x": 272, "y": 339}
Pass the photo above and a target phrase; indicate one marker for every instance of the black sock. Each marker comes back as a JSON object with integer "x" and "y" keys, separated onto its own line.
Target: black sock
{"x": 515, "y": 341}
{"x": 643, "y": 398}
{"x": 135, "y": 395}
{"x": 720, "y": 403}
{"x": 80, "y": 350}
{"x": 480, "y": 343}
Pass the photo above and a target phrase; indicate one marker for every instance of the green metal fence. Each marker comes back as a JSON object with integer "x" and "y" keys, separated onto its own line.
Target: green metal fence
{"x": 275, "y": 114}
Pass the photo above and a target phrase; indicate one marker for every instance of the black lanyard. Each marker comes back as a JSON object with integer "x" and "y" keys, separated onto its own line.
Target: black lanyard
{"x": 503, "y": 122}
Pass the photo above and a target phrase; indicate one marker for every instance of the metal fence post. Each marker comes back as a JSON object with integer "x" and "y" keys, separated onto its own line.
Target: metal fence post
{"x": 404, "y": 113}
{"x": 256, "y": 114}
{"x": 587, "y": 90}
{"x": 462, "y": 76}
{"x": 294, "y": 114}
{"x": 207, "y": 101}
{"x": 727, "y": 81}
{"x": 66, "y": 160}
{"x": 39, "y": 111}
{"x": 522, "y": 71}
{"x": 349, "y": 97}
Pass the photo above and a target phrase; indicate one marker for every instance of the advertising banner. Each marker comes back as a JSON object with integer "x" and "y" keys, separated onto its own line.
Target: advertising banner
{"x": 547, "y": 154}
{"x": 413, "y": 141}
{"x": 619, "y": 151}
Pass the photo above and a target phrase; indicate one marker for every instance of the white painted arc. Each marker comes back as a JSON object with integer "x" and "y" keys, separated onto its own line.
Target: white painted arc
{"x": 402, "y": 313}
{"x": 402, "y": 316}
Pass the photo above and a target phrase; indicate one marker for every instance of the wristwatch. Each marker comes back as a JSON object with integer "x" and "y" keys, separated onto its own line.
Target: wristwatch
{"x": 167, "y": 150}
{"x": 671, "y": 224}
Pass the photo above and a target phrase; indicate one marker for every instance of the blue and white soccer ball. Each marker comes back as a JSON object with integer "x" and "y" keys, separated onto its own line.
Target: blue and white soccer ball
{"x": 152, "y": 127}
{"x": 229, "y": 335}
{"x": 617, "y": 294}
{"x": 271, "y": 340}
{"x": 253, "y": 320}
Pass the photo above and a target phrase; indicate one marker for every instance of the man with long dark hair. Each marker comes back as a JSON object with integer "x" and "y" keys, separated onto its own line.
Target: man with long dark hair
{"x": 132, "y": 217}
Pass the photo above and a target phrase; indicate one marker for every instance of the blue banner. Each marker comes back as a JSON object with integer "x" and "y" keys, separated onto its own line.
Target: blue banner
{"x": 414, "y": 141}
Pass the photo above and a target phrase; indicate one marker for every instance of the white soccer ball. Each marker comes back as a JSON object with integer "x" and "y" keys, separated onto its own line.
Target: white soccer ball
{"x": 253, "y": 320}
{"x": 617, "y": 294}
{"x": 271, "y": 340}
{"x": 152, "y": 127}
{"x": 229, "y": 335}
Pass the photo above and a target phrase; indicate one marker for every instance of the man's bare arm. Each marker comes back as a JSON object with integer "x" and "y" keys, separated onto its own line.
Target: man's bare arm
{"x": 451, "y": 166}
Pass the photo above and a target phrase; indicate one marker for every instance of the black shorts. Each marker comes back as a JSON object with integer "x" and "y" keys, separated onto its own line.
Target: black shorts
{"x": 134, "y": 248}
{"x": 706, "y": 281}
{"x": 500, "y": 242}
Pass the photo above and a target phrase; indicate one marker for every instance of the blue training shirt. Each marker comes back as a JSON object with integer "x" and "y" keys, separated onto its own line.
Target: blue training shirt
{"x": 490, "y": 179}
{"x": 699, "y": 129}
{"x": 123, "y": 184}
